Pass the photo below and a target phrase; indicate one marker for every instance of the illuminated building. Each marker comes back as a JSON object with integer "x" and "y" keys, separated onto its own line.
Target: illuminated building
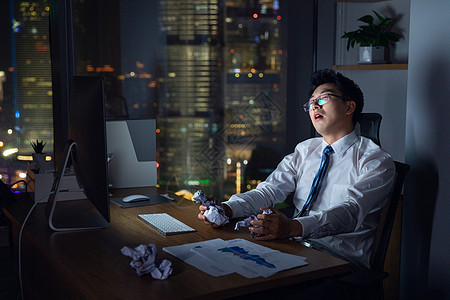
{"x": 32, "y": 81}
{"x": 223, "y": 94}
{"x": 254, "y": 92}
{"x": 190, "y": 155}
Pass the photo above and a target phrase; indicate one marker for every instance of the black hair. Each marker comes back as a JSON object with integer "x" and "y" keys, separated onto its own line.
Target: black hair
{"x": 349, "y": 89}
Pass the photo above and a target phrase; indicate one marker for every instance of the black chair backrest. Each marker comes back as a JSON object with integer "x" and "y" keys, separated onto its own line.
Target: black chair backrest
{"x": 387, "y": 218}
{"x": 369, "y": 125}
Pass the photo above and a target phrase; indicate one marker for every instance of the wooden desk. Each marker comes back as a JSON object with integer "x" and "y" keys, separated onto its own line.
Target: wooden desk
{"x": 89, "y": 264}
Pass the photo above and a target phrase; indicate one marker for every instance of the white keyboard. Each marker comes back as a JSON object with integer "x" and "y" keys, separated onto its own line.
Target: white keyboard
{"x": 165, "y": 224}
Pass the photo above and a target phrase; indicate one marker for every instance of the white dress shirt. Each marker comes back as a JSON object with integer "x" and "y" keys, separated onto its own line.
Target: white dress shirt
{"x": 343, "y": 219}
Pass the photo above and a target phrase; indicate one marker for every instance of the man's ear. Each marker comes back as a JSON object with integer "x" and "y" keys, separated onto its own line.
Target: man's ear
{"x": 351, "y": 107}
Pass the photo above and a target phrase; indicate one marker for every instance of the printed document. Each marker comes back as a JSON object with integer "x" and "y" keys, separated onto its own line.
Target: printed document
{"x": 218, "y": 257}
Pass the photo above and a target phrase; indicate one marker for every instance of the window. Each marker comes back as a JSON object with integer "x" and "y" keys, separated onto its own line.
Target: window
{"x": 26, "y": 112}
{"x": 211, "y": 72}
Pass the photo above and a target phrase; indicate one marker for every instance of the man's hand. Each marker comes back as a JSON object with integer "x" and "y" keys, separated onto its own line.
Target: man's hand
{"x": 202, "y": 217}
{"x": 275, "y": 226}
{"x": 203, "y": 209}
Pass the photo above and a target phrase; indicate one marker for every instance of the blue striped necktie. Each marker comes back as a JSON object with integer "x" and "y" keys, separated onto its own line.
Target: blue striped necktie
{"x": 315, "y": 188}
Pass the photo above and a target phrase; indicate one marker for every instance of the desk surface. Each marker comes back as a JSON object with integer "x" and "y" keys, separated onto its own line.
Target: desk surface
{"x": 90, "y": 264}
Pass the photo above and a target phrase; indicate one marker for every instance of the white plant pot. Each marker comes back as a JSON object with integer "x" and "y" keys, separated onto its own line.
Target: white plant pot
{"x": 41, "y": 164}
{"x": 371, "y": 55}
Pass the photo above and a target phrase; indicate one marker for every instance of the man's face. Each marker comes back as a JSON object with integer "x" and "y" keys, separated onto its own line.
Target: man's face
{"x": 334, "y": 118}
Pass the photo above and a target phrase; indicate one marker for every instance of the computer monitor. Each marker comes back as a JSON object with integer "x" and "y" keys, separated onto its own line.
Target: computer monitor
{"x": 86, "y": 150}
{"x": 131, "y": 145}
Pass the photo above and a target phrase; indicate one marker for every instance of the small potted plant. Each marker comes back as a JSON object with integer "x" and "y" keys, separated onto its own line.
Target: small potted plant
{"x": 40, "y": 164}
{"x": 38, "y": 146}
{"x": 374, "y": 39}
{"x": 39, "y": 172}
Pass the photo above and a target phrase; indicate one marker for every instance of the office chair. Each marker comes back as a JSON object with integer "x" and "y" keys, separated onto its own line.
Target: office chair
{"x": 369, "y": 126}
{"x": 368, "y": 284}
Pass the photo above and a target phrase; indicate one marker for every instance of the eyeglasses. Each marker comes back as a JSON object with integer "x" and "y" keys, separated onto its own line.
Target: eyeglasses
{"x": 321, "y": 100}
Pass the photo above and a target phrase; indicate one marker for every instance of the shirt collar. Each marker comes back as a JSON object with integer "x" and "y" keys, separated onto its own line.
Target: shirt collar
{"x": 342, "y": 145}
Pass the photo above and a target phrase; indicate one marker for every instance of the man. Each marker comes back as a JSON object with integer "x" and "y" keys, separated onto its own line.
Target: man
{"x": 342, "y": 218}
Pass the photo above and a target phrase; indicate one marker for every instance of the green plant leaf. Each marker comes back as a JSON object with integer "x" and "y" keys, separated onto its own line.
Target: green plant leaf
{"x": 366, "y": 19}
{"x": 371, "y": 34}
{"x": 380, "y": 18}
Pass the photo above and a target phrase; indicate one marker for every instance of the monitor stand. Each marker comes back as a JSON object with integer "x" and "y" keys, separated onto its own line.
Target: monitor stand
{"x": 74, "y": 214}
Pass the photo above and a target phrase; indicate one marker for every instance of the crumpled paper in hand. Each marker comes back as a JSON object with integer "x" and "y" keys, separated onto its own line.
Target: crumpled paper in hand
{"x": 246, "y": 222}
{"x": 144, "y": 261}
{"x": 215, "y": 212}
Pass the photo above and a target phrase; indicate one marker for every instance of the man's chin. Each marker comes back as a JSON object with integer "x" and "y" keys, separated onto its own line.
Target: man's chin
{"x": 319, "y": 128}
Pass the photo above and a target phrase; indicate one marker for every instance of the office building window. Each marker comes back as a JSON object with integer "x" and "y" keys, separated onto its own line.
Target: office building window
{"x": 25, "y": 86}
{"x": 211, "y": 72}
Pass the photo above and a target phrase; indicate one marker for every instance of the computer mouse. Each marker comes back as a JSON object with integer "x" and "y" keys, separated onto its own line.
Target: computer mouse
{"x": 135, "y": 198}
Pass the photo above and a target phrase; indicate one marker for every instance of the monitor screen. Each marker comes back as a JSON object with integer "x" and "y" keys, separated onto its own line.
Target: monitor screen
{"x": 86, "y": 150}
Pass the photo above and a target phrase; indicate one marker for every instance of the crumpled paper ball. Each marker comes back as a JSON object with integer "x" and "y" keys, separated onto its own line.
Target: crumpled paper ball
{"x": 215, "y": 212}
{"x": 144, "y": 261}
{"x": 246, "y": 222}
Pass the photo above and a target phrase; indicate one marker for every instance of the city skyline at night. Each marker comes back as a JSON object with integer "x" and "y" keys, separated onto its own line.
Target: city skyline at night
{"x": 211, "y": 72}
{"x": 26, "y": 110}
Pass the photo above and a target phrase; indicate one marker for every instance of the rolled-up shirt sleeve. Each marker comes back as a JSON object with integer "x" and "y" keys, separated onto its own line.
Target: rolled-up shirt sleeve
{"x": 278, "y": 185}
